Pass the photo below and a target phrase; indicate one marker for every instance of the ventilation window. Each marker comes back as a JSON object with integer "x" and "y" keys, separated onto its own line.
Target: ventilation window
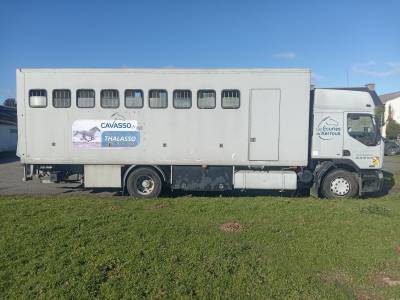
{"x": 61, "y": 98}
{"x": 230, "y": 99}
{"x": 206, "y": 99}
{"x": 182, "y": 99}
{"x": 133, "y": 98}
{"x": 38, "y": 98}
{"x": 85, "y": 98}
{"x": 158, "y": 99}
{"x": 109, "y": 99}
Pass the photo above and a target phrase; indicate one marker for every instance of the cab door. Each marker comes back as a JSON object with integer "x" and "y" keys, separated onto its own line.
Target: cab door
{"x": 362, "y": 142}
{"x": 327, "y": 141}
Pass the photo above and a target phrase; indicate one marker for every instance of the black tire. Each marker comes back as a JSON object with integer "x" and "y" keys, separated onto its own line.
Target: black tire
{"x": 144, "y": 183}
{"x": 391, "y": 151}
{"x": 339, "y": 184}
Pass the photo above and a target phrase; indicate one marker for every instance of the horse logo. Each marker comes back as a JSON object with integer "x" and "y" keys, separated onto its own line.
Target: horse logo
{"x": 87, "y": 135}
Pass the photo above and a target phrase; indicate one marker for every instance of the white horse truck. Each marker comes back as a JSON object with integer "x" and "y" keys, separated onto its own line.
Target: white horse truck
{"x": 198, "y": 130}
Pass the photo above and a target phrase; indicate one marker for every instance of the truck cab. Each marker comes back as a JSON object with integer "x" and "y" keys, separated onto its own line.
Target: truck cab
{"x": 347, "y": 149}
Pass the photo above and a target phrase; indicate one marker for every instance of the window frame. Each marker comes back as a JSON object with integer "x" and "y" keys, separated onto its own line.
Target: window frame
{"x": 135, "y": 90}
{"x": 101, "y": 98}
{"x": 182, "y": 90}
{"x": 29, "y": 98}
{"x": 375, "y": 128}
{"x": 94, "y": 98}
{"x": 70, "y": 98}
{"x": 230, "y": 90}
{"x": 163, "y": 90}
{"x": 207, "y": 90}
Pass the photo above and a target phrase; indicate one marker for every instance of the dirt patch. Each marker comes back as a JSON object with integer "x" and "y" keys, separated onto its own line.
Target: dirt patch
{"x": 365, "y": 295}
{"x": 115, "y": 207}
{"x": 385, "y": 280}
{"x": 338, "y": 278}
{"x": 231, "y": 227}
{"x": 346, "y": 281}
{"x": 160, "y": 206}
{"x": 398, "y": 250}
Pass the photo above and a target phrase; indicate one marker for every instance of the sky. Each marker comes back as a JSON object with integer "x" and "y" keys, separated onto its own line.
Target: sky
{"x": 344, "y": 43}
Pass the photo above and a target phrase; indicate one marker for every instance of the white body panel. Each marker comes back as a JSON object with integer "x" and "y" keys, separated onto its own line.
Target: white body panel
{"x": 169, "y": 136}
{"x": 102, "y": 176}
{"x": 272, "y": 180}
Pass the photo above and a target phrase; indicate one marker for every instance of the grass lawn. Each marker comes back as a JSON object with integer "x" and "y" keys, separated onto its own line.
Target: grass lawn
{"x": 281, "y": 248}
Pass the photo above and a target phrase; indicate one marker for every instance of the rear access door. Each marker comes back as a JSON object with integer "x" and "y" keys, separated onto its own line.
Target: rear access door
{"x": 264, "y": 124}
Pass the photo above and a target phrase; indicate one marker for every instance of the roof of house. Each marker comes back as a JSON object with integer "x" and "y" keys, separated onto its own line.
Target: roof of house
{"x": 387, "y": 97}
{"x": 8, "y": 115}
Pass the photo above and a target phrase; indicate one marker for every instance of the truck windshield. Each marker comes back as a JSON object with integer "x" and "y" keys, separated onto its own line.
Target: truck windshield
{"x": 362, "y": 127}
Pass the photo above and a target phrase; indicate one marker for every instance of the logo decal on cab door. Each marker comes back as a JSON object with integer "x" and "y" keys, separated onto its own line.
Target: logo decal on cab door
{"x": 328, "y": 129}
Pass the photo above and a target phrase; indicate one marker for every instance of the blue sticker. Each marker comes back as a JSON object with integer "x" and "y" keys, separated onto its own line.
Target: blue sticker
{"x": 120, "y": 139}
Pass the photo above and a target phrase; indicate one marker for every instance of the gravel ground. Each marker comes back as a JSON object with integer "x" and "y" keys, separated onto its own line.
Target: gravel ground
{"x": 11, "y": 173}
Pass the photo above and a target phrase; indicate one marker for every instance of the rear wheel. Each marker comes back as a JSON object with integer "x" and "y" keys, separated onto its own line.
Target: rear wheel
{"x": 144, "y": 183}
{"x": 339, "y": 184}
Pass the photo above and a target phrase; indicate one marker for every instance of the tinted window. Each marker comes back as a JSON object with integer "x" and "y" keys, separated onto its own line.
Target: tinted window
{"x": 38, "y": 98}
{"x": 85, "y": 98}
{"x": 109, "y": 99}
{"x": 182, "y": 99}
{"x": 133, "y": 98}
{"x": 206, "y": 99}
{"x": 230, "y": 99}
{"x": 61, "y": 98}
{"x": 158, "y": 99}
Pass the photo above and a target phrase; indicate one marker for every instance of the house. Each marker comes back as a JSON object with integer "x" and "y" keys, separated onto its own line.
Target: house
{"x": 392, "y": 104}
{"x": 8, "y": 128}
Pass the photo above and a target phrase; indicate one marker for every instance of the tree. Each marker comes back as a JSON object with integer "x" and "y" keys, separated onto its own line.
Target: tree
{"x": 392, "y": 127}
{"x": 10, "y": 102}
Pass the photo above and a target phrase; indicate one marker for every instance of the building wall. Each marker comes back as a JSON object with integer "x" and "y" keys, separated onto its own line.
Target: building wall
{"x": 395, "y": 105}
{"x": 8, "y": 138}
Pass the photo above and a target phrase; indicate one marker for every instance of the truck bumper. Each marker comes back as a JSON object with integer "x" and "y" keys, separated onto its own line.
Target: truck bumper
{"x": 371, "y": 181}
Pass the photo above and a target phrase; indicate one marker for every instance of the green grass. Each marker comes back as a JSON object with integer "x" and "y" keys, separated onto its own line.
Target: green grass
{"x": 289, "y": 248}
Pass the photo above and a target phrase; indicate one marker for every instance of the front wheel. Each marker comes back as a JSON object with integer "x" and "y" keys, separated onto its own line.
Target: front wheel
{"x": 144, "y": 183}
{"x": 339, "y": 184}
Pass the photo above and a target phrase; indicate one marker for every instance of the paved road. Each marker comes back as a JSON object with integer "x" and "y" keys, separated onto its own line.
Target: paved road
{"x": 11, "y": 182}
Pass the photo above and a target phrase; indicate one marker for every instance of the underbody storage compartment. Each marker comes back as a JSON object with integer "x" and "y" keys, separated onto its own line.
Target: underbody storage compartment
{"x": 269, "y": 180}
{"x": 97, "y": 176}
{"x": 202, "y": 178}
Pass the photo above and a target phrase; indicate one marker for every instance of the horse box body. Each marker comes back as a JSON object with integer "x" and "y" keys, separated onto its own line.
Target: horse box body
{"x": 164, "y": 136}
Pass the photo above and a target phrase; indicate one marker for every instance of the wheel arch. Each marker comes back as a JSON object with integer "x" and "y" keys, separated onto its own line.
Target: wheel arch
{"x": 323, "y": 168}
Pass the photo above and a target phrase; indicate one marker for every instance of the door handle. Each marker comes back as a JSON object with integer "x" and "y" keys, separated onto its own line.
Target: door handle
{"x": 252, "y": 140}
